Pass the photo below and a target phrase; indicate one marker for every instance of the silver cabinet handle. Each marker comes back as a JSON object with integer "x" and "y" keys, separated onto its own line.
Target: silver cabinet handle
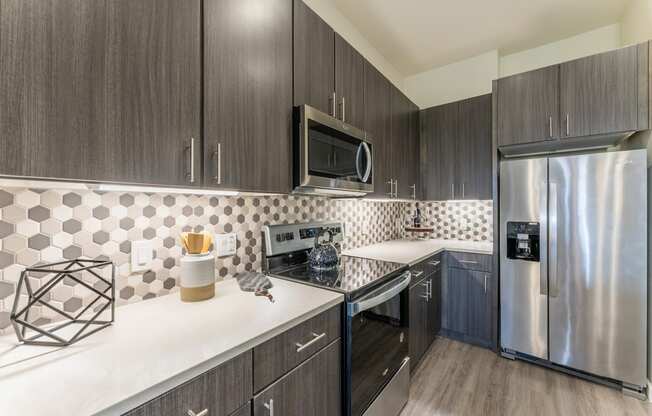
{"x": 417, "y": 274}
{"x": 462, "y": 190}
{"x": 550, "y": 126}
{"x": 270, "y": 407}
{"x": 395, "y": 188}
{"x": 333, "y": 100}
{"x": 453, "y": 190}
{"x": 567, "y": 124}
{"x": 191, "y": 174}
{"x": 391, "y": 188}
{"x": 434, "y": 263}
{"x": 301, "y": 347}
{"x": 202, "y": 413}
{"x": 414, "y": 191}
{"x": 485, "y": 283}
{"x": 468, "y": 262}
{"x": 217, "y": 155}
{"x": 430, "y": 288}
{"x": 343, "y": 109}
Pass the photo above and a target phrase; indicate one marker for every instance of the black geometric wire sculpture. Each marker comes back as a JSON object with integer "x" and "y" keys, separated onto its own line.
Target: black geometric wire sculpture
{"x": 61, "y": 334}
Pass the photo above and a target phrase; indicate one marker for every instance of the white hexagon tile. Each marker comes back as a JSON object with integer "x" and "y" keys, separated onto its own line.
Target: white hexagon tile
{"x": 39, "y": 226}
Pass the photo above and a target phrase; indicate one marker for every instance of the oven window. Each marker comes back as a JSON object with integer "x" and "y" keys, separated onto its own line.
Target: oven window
{"x": 379, "y": 344}
{"x": 332, "y": 154}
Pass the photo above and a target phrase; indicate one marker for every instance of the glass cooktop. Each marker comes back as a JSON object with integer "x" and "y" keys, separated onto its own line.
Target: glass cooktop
{"x": 353, "y": 274}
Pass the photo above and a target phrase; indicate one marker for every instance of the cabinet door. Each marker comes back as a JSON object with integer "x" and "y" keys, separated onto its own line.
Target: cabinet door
{"x": 479, "y": 304}
{"x": 402, "y": 149}
{"x": 418, "y": 322}
{"x": 377, "y": 124}
{"x": 100, "y": 90}
{"x": 414, "y": 169}
{"x": 248, "y": 94}
{"x": 312, "y": 389}
{"x": 349, "y": 83}
{"x": 455, "y": 300}
{"x": 473, "y": 161}
{"x": 599, "y": 94}
{"x": 528, "y": 107}
{"x": 314, "y": 59}
{"x": 434, "y": 307}
{"x": 439, "y": 133}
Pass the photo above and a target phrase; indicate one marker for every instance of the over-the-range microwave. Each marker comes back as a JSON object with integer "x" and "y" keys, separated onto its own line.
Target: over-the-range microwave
{"x": 330, "y": 157}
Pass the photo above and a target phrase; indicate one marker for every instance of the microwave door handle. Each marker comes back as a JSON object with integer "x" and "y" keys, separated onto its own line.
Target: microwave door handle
{"x": 364, "y": 304}
{"x": 363, "y": 177}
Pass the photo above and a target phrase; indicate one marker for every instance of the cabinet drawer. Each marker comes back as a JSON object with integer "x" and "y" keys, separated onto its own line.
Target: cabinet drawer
{"x": 222, "y": 390}
{"x": 282, "y": 353}
{"x": 424, "y": 269}
{"x": 312, "y": 389}
{"x": 470, "y": 261}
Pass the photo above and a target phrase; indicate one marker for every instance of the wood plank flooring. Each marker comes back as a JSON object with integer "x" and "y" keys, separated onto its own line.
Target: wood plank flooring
{"x": 456, "y": 379}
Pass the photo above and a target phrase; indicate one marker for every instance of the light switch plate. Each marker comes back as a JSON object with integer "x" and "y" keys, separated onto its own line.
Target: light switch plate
{"x": 141, "y": 255}
{"x": 226, "y": 244}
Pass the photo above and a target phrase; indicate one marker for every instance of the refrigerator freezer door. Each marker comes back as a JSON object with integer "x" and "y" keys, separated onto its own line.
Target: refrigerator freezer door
{"x": 523, "y": 284}
{"x": 598, "y": 269}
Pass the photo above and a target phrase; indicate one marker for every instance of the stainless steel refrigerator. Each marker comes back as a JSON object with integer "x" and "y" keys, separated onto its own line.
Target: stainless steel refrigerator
{"x": 573, "y": 263}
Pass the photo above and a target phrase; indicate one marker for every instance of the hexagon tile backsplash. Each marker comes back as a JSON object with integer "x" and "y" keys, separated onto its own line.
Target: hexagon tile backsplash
{"x": 48, "y": 225}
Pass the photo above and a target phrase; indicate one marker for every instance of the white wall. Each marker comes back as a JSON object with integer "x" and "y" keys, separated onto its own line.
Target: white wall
{"x": 327, "y": 11}
{"x": 636, "y": 23}
{"x": 473, "y": 76}
{"x": 453, "y": 82}
{"x": 596, "y": 41}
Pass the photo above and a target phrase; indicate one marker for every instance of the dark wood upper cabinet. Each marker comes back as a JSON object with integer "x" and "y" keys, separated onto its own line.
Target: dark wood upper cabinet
{"x": 528, "y": 107}
{"x": 599, "y": 94}
{"x": 439, "y": 134}
{"x": 101, "y": 90}
{"x": 248, "y": 94}
{"x": 377, "y": 124}
{"x": 314, "y": 60}
{"x": 473, "y": 154}
{"x": 404, "y": 152}
{"x": 349, "y": 83}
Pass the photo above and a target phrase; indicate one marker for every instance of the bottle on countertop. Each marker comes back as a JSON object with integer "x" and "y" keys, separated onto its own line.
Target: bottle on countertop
{"x": 416, "y": 221}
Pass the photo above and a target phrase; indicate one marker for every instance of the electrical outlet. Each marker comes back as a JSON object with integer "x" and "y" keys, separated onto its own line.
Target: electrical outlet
{"x": 226, "y": 244}
{"x": 141, "y": 255}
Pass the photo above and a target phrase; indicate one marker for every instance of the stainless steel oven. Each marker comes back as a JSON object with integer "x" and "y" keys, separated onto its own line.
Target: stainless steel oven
{"x": 378, "y": 343}
{"x": 330, "y": 157}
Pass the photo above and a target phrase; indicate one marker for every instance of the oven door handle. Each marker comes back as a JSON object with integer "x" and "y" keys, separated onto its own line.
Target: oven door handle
{"x": 367, "y": 303}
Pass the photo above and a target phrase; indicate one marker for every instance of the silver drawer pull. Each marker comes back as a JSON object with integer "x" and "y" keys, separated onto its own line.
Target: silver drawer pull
{"x": 202, "y": 413}
{"x": 301, "y": 347}
{"x": 468, "y": 262}
{"x": 417, "y": 274}
{"x": 434, "y": 263}
{"x": 270, "y": 406}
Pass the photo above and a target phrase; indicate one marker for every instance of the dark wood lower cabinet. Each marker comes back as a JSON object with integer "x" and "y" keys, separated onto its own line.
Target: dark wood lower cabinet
{"x": 312, "y": 389}
{"x": 425, "y": 308}
{"x": 469, "y": 293}
{"x": 222, "y": 391}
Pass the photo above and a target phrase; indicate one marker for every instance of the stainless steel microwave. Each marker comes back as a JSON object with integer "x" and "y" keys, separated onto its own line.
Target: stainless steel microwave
{"x": 330, "y": 157}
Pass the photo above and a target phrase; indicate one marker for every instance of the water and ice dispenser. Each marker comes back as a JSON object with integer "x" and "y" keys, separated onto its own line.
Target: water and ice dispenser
{"x": 523, "y": 241}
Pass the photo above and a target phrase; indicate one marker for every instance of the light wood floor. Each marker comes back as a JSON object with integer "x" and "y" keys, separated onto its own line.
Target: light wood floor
{"x": 458, "y": 379}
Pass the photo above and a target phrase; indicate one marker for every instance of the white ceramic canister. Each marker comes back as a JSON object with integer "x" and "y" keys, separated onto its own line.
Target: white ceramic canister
{"x": 197, "y": 280}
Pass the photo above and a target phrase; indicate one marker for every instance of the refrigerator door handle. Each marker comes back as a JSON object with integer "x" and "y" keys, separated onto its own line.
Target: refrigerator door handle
{"x": 552, "y": 244}
{"x": 543, "y": 210}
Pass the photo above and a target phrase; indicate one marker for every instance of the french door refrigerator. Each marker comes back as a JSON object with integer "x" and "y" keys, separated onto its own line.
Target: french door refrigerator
{"x": 573, "y": 263}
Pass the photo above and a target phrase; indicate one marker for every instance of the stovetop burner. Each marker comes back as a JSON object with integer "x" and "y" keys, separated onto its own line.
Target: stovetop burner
{"x": 353, "y": 274}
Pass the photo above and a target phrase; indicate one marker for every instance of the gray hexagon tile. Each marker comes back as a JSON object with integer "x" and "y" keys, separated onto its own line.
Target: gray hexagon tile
{"x": 45, "y": 226}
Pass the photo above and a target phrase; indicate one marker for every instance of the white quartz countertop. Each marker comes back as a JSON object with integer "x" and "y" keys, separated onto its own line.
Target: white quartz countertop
{"x": 414, "y": 251}
{"x": 152, "y": 347}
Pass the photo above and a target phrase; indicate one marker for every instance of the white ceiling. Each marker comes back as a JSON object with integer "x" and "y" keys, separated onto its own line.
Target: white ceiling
{"x": 417, "y": 35}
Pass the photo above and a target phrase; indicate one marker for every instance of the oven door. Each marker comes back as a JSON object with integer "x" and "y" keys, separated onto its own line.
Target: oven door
{"x": 378, "y": 341}
{"x": 332, "y": 155}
